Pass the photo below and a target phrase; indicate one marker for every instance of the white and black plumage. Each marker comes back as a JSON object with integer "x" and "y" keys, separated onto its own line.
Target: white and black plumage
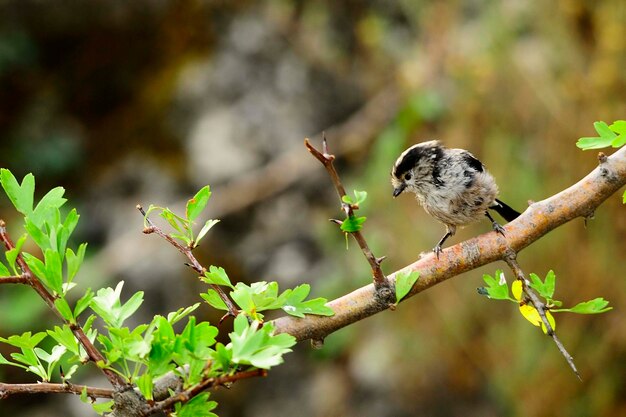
{"x": 451, "y": 184}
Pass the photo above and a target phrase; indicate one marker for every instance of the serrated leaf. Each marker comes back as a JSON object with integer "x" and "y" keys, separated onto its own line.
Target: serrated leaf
{"x": 196, "y": 205}
{"x": 619, "y": 127}
{"x": 175, "y": 221}
{"x": 256, "y": 346}
{"x": 198, "y": 406}
{"x": 12, "y": 254}
{"x": 404, "y": 283}
{"x": 65, "y": 337}
{"x": 64, "y": 309}
{"x": 595, "y": 306}
{"x": 544, "y": 288}
{"x": 21, "y": 195}
{"x": 104, "y": 407}
{"x": 36, "y": 265}
{"x": 26, "y": 340}
{"x": 295, "y": 304}
{"x": 52, "y": 200}
{"x": 353, "y": 224}
{"x": 619, "y": 141}
{"x": 54, "y": 271}
{"x": 213, "y": 299}
{"x": 497, "y": 288}
{"x": 108, "y": 306}
{"x": 74, "y": 260}
{"x": 83, "y": 302}
{"x": 360, "y": 196}
{"x": 218, "y": 276}
{"x": 66, "y": 230}
{"x": 603, "y": 130}
{"x": 41, "y": 239}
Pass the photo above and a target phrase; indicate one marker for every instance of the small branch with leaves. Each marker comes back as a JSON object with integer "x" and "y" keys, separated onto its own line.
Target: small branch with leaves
{"x": 352, "y": 224}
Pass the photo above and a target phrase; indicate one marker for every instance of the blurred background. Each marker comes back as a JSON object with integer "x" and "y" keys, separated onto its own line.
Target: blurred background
{"x": 146, "y": 101}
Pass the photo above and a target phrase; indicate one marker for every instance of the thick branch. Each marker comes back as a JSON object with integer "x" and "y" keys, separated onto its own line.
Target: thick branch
{"x": 94, "y": 354}
{"x": 579, "y": 200}
{"x": 7, "y": 390}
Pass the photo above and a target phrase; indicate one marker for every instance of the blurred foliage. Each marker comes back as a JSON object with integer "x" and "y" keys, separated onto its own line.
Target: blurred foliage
{"x": 83, "y": 86}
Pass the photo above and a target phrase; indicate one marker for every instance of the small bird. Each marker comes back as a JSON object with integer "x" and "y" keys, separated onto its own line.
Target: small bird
{"x": 451, "y": 184}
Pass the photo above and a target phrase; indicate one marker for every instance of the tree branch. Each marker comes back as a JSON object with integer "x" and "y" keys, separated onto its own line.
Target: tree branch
{"x": 193, "y": 262}
{"x": 579, "y": 200}
{"x": 94, "y": 354}
{"x": 541, "y": 308}
{"x": 383, "y": 289}
{"x": 14, "y": 279}
{"x": 7, "y": 390}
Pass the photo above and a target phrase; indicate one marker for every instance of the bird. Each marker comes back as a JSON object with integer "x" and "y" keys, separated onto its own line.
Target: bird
{"x": 452, "y": 185}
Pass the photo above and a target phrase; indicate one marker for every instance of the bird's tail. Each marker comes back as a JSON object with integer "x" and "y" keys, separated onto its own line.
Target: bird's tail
{"x": 505, "y": 211}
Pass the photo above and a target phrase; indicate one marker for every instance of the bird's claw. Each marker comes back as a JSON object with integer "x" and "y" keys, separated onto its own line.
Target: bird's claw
{"x": 437, "y": 249}
{"x": 498, "y": 228}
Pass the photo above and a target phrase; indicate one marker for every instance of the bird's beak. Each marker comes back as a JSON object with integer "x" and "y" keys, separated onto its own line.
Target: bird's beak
{"x": 398, "y": 190}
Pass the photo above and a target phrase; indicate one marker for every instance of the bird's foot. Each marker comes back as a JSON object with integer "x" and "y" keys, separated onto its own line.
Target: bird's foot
{"x": 498, "y": 228}
{"x": 437, "y": 249}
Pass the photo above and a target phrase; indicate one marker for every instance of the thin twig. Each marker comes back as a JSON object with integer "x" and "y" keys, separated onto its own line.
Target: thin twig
{"x": 193, "y": 262}
{"x": 7, "y": 390}
{"x": 381, "y": 283}
{"x": 188, "y": 394}
{"x": 93, "y": 353}
{"x": 14, "y": 279}
{"x": 541, "y": 308}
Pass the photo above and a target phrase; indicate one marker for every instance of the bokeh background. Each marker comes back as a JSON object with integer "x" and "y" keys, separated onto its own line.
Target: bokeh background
{"x": 146, "y": 101}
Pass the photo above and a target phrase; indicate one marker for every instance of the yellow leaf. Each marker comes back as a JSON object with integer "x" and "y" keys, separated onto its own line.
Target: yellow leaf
{"x": 551, "y": 320}
{"x": 530, "y": 313}
{"x": 516, "y": 289}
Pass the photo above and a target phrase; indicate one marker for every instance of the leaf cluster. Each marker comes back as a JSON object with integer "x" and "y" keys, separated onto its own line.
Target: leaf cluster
{"x": 498, "y": 289}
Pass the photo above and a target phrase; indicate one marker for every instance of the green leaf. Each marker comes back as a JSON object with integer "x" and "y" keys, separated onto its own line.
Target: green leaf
{"x": 175, "y": 316}
{"x": 103, "y": 407}
{"x": 404, "y": 283}
{"x": 65, "y": 337}
{"x": 198, "y": 406}
{"x": 4, "y": 272}
{"x": 545, "y": 289}
{"x": 217, "y": 275}
{"x": 256, "y": 346}
{"x": 196, "y": 205}
{"x": 11, "y": 255}
{"x": 624, "y": 198}
{"x": 21, "y": 195}
{"x": 497, "y": 288}
{"x": 145, "y": 385}
{"x": 607, "y": 136}
{"x": 41, "y": 239}
{"x": 26, "y": 340}
{"x": 214, "y": 299}
{"x": 54, "y": 271}
{"x": 107, "y": 305}
{"x": 353, "y": 224}
{"x": 175, "y": 221}
{"x": 51, "y": 202}
{"x": 595, "y": 306}
{"x": 207, "y": 226}
{"x": 65, "y": 231}
{"x": 64, "y": 309}
{"x": 74, "y": 260}
{"x": 295, "y": 305}
{"x": 5, "y": 361}
{"x": 36, "y": 265}
{"x": 83, "y": 302}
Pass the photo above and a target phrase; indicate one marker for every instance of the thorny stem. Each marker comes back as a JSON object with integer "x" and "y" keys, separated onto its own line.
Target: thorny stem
{"x": 7, "y": 390}
{"x": 188, "y": 394}
{"x": 383, "y": 288}
{"x": 193, "y": 262}
{"x": 541, "y": 308}
{"x": 94, "y": 354}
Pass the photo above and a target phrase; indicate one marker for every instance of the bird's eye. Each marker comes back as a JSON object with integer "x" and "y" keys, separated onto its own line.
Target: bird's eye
{"x": 407, "y": 177}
